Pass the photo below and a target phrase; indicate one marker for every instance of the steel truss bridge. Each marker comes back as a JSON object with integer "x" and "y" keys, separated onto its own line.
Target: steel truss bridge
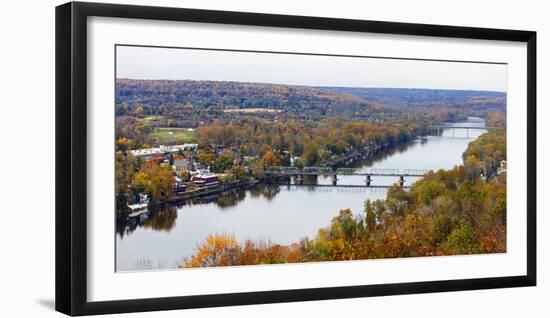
{"x": 327, "y": 171}
{"x": 440, "y": 128}
{"x": 299, "y": 174}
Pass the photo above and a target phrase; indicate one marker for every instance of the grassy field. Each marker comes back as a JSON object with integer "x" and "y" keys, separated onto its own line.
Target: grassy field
{"x": 168, "y": 135}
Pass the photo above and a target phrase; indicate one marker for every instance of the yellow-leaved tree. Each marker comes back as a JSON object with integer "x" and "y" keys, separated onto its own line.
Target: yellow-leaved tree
{"x": 216, "y": 250}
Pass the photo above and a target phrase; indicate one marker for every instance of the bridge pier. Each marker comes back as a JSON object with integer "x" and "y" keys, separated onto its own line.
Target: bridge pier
{"x": 300, "y": 179}
{"x": 288, "y": 181}
{"x": 334, "y": 179}
{"x": 401, "y": 181}
{"x": 368, "y": 180}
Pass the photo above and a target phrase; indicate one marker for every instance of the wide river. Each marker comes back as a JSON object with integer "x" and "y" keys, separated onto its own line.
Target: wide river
{"x": 279, "y": 214}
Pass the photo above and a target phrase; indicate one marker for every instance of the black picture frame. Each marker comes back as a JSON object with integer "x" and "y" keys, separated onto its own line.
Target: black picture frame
{"x": 71, "y": 157}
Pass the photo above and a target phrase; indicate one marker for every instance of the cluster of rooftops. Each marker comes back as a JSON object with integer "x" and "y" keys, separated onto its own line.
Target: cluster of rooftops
{"x": 161, "y": 150}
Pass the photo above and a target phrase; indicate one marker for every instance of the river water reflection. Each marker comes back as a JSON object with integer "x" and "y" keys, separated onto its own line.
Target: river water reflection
{"x": 280, "y": 214}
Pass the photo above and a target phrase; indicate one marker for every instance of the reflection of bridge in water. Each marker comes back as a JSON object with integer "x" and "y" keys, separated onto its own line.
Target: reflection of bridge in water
{"x": 299, "y": 174}
{"x": 330, "y": 187}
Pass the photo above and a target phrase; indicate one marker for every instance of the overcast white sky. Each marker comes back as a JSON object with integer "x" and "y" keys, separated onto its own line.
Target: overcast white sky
{"x": 182, "y": 64}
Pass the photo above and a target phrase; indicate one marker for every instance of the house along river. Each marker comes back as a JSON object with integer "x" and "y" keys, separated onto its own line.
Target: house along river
{"x": 277, "y": 213}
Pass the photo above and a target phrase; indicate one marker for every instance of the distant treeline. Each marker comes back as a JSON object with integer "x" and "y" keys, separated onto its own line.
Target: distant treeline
{"x": 427, "y": 98}
{"x": 186, "y": 103}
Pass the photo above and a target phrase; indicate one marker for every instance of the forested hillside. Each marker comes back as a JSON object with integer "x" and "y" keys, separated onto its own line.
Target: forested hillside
{"x": 157, "y": 96}
{"x": 147, "y": 111}
{"x": 187, "y": 102}
{"x": 427, "y": 98}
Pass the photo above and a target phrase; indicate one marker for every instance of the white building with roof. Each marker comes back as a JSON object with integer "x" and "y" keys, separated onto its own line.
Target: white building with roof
{"x": 149, "y": 153}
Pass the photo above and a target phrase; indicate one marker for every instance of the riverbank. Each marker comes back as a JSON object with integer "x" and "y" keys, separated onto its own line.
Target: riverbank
{"x": 206, "y": 191}
{"x": 370, "y": 150}
{"x": 365, "y": 152}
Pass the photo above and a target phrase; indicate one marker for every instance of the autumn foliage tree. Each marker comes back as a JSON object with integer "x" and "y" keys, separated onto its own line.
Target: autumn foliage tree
{"x": 206, "y": 156}
{"x": 223, "y": 162}
{"x": 270, "y": 159}
{"x": 216, "y": 250}
{"x": 125, "y": 170}
{"x": 155, "y": 180}
{"x": 223, "y": 250}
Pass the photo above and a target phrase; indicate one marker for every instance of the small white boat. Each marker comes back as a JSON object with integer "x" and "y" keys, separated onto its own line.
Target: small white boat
{"x": 142, "y": 204}
{"x": 138, "y": 206}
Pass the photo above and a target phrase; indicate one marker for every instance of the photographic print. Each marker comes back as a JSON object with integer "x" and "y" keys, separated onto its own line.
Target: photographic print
{"x": 218, "y": 158}
{"x": 231, "y": 158}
